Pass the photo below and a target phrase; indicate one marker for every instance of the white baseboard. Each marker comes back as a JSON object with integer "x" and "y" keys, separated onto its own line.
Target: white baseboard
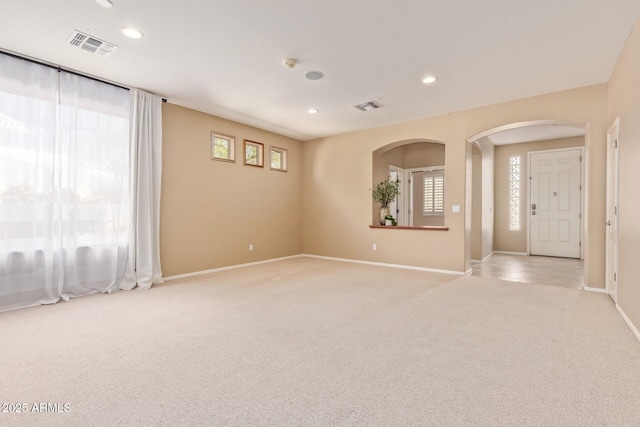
{"x": 249, "y": 264}
{"x": 468, "y": 272}
{"x": 480, "y": 261}
{"x": 509, "y": 253}
{"x": 628, "y": 322}
{"x": 485, "y": 258}
{"x": 382, "y": 264}
{"x": 231, "y": 267}
{"x": 597, "y": 290}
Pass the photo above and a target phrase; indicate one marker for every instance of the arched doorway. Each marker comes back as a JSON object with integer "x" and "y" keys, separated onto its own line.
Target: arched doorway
{"x": 506, "y": 216}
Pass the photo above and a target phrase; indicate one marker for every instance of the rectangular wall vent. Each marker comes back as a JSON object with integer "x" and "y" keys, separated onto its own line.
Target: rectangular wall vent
{"x": 367, "y": 106}
{"x": 91, "y": 44}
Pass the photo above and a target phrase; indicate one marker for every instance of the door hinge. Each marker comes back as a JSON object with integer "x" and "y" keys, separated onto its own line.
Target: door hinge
{"x": 616, "y": 143}
{"x": 580, "y": 244}
{"x": 615, "y": 277}
{"x": 580, "y": 215}
{"x": 580, "y": 159}
{"x": 615, "y": 210}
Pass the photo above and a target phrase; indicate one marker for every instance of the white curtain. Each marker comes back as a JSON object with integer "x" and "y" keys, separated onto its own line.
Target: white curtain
{"x": 64, "y": 185}
{"x": 143, "y": 268}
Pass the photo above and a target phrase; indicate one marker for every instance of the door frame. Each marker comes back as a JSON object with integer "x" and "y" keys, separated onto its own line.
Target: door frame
{"x": 613, "y": 201}
{"x": 400, "y": 200}
{"x": 582, "y": 192}
{"x": 409, "y": 187}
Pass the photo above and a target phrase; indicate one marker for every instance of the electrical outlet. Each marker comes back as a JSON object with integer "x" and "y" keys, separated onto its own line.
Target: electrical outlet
{"x": 250, "y": 247}
{"x": 374, "y": 247}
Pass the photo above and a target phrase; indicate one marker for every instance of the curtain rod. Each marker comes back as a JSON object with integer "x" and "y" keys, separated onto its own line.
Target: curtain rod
{"x": 66, "y": 70}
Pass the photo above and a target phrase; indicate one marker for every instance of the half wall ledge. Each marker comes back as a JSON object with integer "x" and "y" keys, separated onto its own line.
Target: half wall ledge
{"x": 401, "y": 227}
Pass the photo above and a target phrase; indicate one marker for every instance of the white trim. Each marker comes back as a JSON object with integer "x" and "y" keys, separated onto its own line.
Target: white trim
{"x": 628, "y": 322}
{"x": 401, "y": 205}
{"x": 613, "y": 200}
{"x": 468, "y": 272}
{"x": 382, "y": 264}
{"x": 480, "y": 261}
{"x": 485, "y": 258}
{"x": 527, "y": 123}
{"x": 230, "y": 267}
{"x": 596, "y": 290}
{"x": 408, "y": 178}
{"x": 508, "y": 253}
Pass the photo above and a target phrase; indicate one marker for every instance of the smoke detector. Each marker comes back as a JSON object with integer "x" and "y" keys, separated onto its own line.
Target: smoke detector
{"x": 367, "y": 106}
{"x": 90, "y": 43}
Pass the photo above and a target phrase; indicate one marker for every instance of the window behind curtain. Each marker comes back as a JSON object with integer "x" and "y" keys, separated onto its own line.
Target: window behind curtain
{"x": 64, "y": 185}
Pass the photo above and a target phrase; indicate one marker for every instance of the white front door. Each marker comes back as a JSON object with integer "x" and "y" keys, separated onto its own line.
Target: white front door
{"x": 613, "y": 160}
{"x": 556, "y": 204}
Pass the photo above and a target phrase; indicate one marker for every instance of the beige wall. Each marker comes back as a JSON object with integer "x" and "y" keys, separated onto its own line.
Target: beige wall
{"x": 476, "y": 205}
{"x": 488, "y": 200}
{"x": 337, "y": 200}
{"x": 624, "y": 102}
{"x": 485, "y": 199}
{"x": 211, "y": 210}
{"x": 337, "y": 175}
{"x": 511, "y": 240}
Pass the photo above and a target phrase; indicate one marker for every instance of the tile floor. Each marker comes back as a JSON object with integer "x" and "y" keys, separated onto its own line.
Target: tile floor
{"x": 563, "y": 272}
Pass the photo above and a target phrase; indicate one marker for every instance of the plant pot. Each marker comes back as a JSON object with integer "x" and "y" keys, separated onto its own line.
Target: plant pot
{"x": 388, "y": 222}
{"x": 384, "y": 211}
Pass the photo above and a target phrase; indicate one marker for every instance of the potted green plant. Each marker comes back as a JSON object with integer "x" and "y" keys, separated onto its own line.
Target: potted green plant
{"x": 390, "y": 220}
{"x": 384, "y": 193}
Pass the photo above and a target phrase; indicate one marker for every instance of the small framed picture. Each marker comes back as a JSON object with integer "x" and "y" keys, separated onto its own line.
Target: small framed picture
{"x": 223, "y": 147}
{"x": 278, "y": 159}
{"x": 253, "y": 153}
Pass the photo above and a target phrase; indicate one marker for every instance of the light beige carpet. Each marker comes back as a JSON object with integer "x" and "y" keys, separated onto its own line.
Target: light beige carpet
{"x": 316, "y": 342}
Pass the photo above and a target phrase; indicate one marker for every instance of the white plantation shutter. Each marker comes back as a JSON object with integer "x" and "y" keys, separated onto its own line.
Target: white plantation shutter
{"x": 433, "y": 193}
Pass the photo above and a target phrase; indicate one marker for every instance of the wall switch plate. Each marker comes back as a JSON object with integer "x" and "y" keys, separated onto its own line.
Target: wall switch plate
{"x": 250, "y": 247}
{"x": 455, "y": 208}
{"x": 374, "y": 247}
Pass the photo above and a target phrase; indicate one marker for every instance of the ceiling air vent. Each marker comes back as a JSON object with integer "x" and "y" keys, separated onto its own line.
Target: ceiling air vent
{"x": 367, "y": 106}
{"x": 91, "y": 44}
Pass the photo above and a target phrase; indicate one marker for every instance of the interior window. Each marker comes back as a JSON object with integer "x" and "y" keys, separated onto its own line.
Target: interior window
{"x": 419, "y": 166}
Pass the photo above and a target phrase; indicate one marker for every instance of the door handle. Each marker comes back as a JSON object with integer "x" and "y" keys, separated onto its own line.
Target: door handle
{"x": 533, "y": 206}
{"x": 533, "y": 212}
{"x": 608, "y": 223}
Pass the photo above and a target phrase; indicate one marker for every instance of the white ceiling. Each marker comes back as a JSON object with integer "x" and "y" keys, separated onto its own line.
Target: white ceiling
{"x": 225, "y": 57}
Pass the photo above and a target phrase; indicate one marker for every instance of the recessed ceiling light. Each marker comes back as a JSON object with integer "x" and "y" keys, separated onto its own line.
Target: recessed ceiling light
{"x": 132, "y": 33}
{"x": 429, "y": 79}
{"x": 313, "y": 110}
{"x": 314, "y": 75}
{"x": 105, "y": 3}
